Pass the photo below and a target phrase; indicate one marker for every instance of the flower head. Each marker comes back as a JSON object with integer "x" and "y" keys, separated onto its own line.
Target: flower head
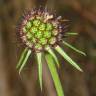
{"x": 39, "y": 29}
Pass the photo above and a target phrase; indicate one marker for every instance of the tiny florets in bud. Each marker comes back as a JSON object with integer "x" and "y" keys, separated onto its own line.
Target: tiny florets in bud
{"x": 39, "y": 29}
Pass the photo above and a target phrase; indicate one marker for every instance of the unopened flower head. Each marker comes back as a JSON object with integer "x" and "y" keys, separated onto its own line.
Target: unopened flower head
{"x": 39, "y": 29}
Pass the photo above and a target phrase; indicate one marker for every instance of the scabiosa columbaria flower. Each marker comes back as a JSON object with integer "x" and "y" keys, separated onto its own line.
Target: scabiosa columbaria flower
{"x": 41, "y": 31}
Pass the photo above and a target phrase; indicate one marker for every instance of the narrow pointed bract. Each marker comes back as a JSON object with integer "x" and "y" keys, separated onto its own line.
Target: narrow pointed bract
{"x": 53, "y": 55}
{"x": 71, "y": 33}
{"x": 54, "y": 75}
{"x": 73, "y": 48}
{"x": 22, "y": 58}
{"x": 67, "y": 58}
{"x": 39, "y": 60}
{"x": 25, "y": 60}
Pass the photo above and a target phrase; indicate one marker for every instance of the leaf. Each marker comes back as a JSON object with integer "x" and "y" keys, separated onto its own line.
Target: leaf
{"x": 53, "y": 55}
{"x": 21, "y": 58}
{"x": 67, "y": 58}
{"x": 39, "y": 59}
{"x": 25, "y": 60}
{"x": 54, "y": 74}
{"x": 73, "y": 48}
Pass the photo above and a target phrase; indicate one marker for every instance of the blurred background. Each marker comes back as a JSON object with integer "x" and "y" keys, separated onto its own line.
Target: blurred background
{"x": 82, "y": 16}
